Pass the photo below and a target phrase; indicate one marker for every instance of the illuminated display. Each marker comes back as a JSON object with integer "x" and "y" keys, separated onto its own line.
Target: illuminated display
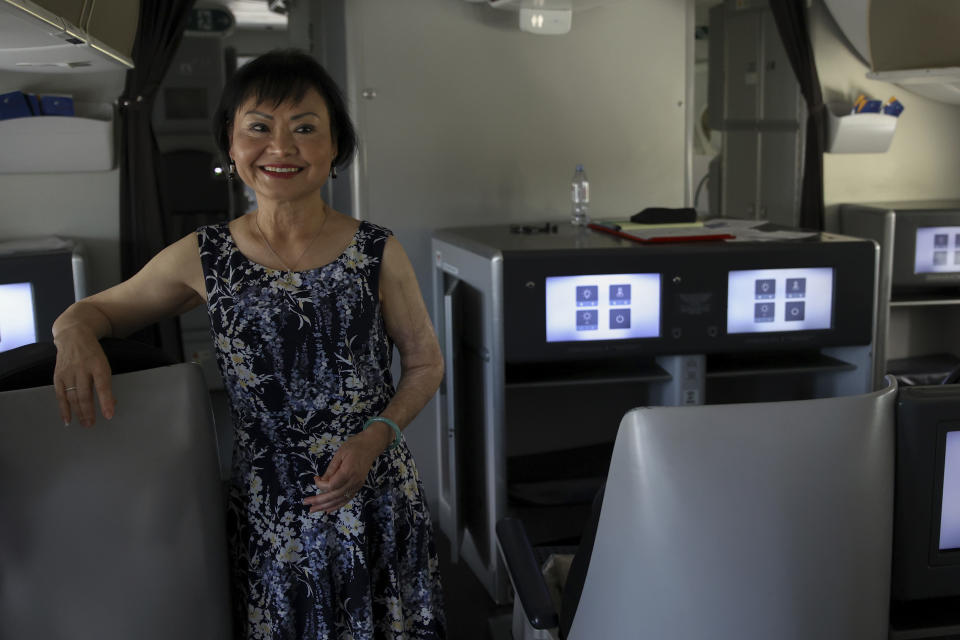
{"x": 603, "y": 307}
{"x": 768, "y": 300}
{"x": 17, "y": 322}
{"x": 937, "y": 250}
{"x": 950, "y": 511}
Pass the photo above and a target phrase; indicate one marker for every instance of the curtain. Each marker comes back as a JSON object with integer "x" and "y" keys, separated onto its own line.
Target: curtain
{"x": 143, "y": 230}
{"x": 791, "y": 19}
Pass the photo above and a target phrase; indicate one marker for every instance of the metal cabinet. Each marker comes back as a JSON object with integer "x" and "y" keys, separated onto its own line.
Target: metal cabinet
{"x": 756, "y": 101}
{"x": 918, "y": 308}
{"x": 526, "y": 424}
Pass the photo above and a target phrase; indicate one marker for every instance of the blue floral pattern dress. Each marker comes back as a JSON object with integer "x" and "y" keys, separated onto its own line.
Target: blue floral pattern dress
{"x": 305, "y": 358}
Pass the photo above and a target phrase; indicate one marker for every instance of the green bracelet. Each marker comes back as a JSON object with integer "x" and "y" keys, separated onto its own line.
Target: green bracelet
{"x": 391, "y": 423}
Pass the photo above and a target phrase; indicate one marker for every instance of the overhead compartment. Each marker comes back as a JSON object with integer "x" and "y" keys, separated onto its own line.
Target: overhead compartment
{"x": 80, "y": 49}
{"x": 57, "y": 36}
{"x": 911, "y": 44}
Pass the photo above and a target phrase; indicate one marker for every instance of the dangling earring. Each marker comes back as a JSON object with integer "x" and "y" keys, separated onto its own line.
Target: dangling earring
{"x": 333, "y": 172}
{"x": 231, "y": 170}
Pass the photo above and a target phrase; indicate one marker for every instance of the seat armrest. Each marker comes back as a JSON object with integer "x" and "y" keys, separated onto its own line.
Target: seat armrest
{"x": 525, "y": 573}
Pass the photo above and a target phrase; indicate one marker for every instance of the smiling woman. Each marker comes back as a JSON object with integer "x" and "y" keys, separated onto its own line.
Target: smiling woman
{"x": 329, "y": 530}
{"x": 285, "y": 152}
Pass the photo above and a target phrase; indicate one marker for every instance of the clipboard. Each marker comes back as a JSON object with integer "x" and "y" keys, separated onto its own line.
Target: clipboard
{"x": 662, "y": 234}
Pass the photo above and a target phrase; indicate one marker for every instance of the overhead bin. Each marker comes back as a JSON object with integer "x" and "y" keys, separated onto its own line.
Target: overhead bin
{"x": 911, "y": 44}
{"x": 60, "y": 36}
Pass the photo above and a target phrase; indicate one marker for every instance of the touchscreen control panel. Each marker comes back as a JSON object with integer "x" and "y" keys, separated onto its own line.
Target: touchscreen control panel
{"x": 937, "y": 250}
{"x": 602, "y": 307}
{"x": 766, "y": 300}
{"x": 687, "y": 298}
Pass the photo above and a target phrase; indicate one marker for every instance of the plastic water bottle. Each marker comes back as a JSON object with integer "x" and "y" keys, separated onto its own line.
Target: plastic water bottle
{"x": 580, "y": 198}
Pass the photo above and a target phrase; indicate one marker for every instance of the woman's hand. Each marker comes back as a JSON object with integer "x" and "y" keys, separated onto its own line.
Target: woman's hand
{"x": 171, "y": 283}
{"x": 347, "y": 472}
{"x": 81, "y": 369}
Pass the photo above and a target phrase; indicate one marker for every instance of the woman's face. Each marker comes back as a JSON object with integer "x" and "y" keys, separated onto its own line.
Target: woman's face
{"x": 283, "y": 153}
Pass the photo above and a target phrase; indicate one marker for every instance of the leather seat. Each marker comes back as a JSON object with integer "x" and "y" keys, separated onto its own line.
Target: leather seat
{"x": 116, "y": 531}
{"x": 730, "y": 522}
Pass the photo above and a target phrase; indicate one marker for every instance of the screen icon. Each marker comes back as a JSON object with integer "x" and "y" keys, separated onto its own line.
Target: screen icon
{"x": 765, "y": 289}
{"x": 764, "y": 312}
{"x": 939, "y": 258}
{"x": 587, "y": 296}
{"x": 796, "y": 287}
{"x": 619, "y": 294}
{"x": 940, "y": 241}
{"x": 795, "y": 311}
{"x": 619, "y": 318}
{"x": 587, "y": 320}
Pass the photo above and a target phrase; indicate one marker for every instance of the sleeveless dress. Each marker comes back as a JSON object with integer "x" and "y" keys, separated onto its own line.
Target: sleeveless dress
{"x": 305, "y": 359}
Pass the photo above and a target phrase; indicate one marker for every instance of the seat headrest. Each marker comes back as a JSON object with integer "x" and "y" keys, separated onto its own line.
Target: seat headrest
{"x": 32, "y": 365}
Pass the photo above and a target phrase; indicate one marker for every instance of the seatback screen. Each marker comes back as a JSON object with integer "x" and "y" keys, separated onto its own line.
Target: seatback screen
{"x": 18, "y": 325}
{"x": 937, "y": 250}
{"x": 950, "y": 510}
{"x": 603, "y": 307}
{"x": 767, "y": 300}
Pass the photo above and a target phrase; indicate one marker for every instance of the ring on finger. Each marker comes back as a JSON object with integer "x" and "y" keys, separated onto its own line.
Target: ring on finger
{"x": 70, "y": 388}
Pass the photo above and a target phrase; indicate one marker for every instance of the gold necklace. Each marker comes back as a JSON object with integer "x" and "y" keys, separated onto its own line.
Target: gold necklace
{"x": 256, "y": 220}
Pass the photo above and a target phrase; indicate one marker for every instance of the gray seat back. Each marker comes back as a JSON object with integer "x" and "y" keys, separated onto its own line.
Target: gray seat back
{"x": 117, "y": 531}
{"x": 746, "y": 522}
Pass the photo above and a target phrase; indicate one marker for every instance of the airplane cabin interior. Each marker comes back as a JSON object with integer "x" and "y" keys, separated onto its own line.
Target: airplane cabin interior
{"x": 707, "y": 388}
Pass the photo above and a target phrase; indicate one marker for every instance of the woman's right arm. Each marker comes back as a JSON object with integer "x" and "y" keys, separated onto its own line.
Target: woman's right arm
{"x": 171, "y": 283}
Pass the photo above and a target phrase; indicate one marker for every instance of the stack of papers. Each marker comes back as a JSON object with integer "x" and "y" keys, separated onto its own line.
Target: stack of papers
{"x": 726, "y": 229}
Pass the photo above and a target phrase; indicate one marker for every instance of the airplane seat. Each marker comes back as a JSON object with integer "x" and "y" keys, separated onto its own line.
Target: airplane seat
{"x": 32, "y": 365}
{"x": 739, "y": 521}
{"x": 525, "y": 563}
{"x": 116, "y": 531}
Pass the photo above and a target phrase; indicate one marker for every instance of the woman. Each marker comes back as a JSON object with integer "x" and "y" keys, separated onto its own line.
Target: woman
{"x": 329, "y": 531}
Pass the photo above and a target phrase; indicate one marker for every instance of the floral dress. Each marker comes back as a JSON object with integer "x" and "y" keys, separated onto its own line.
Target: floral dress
{"x": 305, "y": 358}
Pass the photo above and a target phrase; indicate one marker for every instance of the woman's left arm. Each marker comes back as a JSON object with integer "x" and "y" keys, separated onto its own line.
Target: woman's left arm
{"x": 421, "y": 370}
{"x": 409, "y": 326}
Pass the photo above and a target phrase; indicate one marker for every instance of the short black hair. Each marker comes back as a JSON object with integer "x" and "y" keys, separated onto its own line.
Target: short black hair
{"x": 280, "y": 76}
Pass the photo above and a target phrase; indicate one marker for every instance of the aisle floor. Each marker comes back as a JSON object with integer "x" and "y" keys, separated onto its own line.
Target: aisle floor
{"x": 471, "y": 613}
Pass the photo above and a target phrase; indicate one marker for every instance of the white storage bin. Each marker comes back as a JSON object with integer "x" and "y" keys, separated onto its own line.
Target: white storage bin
{"x": 859, "y": 132}
{"x": 58, "y": 144}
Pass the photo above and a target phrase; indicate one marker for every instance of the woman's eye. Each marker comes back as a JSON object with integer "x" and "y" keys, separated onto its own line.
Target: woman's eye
{"x": 258, "y": 127}
{"x": 305, "y": 128}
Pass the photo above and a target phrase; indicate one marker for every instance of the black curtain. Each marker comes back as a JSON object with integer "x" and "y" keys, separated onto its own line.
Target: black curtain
{"x": 143, "y": 229}
{"x": 791, "y": 19}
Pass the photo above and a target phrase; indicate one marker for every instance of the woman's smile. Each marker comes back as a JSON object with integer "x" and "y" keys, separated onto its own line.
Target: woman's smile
{"x": 281, "y": 171}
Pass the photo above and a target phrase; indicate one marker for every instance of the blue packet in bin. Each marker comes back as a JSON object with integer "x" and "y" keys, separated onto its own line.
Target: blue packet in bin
{"x": 56, "y": 105}
{"x": 893, "y": 107}
{"x": 14, "y": 105}
{"x": 34, "y": 103}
